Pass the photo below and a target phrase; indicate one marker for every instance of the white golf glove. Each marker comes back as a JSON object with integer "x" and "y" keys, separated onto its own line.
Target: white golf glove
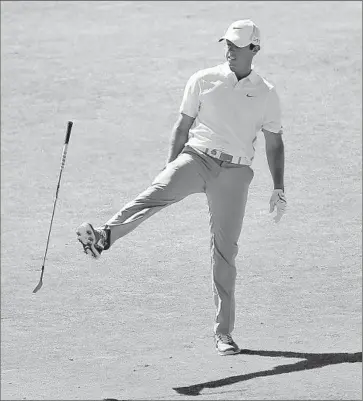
{"x": 278, "y": 201}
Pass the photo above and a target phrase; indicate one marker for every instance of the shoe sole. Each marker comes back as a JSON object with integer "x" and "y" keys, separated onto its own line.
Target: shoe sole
{"x": 87, "y": 237}
{"x": 230, "y": 352}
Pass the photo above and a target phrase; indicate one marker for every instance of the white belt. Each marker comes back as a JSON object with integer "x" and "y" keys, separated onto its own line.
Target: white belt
{"x": 225, "y": 157}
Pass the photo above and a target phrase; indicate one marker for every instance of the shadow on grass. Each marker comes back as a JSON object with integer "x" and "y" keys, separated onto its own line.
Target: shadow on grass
{"x": 311, "y": 361}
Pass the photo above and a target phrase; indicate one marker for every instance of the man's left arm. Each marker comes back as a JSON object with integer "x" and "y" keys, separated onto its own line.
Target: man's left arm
{"x": 275, "y": 154}
{"x": 272, "y": 129}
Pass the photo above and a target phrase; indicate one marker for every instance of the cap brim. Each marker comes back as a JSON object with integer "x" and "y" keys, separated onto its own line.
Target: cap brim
{"x": 234, "y": 39}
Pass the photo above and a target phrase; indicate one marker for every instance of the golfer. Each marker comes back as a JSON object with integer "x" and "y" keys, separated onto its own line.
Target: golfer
{"x": 212, "y": 149}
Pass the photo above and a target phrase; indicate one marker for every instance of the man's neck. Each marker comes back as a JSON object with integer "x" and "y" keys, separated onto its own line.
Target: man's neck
{"x": 243, "y": 74}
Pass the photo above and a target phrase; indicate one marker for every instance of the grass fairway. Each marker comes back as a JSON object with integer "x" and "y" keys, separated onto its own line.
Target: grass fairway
{"x": 138, "y": 323}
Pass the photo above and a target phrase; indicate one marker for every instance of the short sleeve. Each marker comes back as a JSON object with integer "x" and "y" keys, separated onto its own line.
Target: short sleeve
{"x": 272, "y": 117}
{"x": 190, "y": 103}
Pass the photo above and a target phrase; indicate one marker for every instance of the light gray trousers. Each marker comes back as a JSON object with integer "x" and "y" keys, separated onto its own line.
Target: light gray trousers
{"x": 226, "y": 186}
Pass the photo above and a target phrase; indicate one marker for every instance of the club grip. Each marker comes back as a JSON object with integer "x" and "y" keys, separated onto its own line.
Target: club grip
{"x": 69, "y": 129}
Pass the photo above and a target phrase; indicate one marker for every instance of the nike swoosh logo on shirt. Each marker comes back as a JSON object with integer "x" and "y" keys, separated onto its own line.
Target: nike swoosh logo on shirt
{"x": 248, "y": 95}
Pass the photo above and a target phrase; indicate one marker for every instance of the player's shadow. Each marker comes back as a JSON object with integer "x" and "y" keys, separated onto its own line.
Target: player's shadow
{"x": 311, "y": 361}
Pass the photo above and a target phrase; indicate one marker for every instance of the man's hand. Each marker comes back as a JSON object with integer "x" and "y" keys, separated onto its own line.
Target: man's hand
{"x": 278, "y": 201}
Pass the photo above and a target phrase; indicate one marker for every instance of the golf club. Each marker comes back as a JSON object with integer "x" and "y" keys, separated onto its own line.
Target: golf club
{"x": 64, "y": 155}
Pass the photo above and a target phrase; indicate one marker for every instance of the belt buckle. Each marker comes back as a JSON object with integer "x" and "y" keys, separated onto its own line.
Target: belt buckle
{"x": 226, "y": 157}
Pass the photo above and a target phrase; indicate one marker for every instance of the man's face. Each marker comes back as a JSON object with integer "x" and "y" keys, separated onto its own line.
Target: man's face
{"x": 237, "y": 56}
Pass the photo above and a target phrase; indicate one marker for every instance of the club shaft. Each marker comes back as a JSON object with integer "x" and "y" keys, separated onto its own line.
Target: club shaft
{"x": 51, "y": 224}
{"x": 63, "y": 161}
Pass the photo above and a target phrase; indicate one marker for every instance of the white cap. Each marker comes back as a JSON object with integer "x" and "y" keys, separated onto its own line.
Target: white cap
{"x": 242, "y": 33}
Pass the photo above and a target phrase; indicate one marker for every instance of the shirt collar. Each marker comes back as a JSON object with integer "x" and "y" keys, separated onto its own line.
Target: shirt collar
{"x": 253, "y": 76}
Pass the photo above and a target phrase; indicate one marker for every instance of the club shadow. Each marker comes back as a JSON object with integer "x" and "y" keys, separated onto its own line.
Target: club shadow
{"x": 310, "y": 361}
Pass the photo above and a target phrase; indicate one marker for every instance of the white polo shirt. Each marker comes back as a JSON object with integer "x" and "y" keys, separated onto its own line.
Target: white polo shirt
{"x": 229, "y": 113}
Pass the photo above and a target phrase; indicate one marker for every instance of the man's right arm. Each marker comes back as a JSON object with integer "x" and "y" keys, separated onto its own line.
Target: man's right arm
{"x": 189, "y": 107}
{"x": 179, "y": 136}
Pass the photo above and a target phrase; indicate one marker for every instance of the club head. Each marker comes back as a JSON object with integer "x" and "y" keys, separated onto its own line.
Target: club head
{"x": 38, "y": 287}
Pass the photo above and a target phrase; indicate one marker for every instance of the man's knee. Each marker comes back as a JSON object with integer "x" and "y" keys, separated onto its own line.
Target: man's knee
{"x": 157, "y": 194}
{"x": 224, "y": 247}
